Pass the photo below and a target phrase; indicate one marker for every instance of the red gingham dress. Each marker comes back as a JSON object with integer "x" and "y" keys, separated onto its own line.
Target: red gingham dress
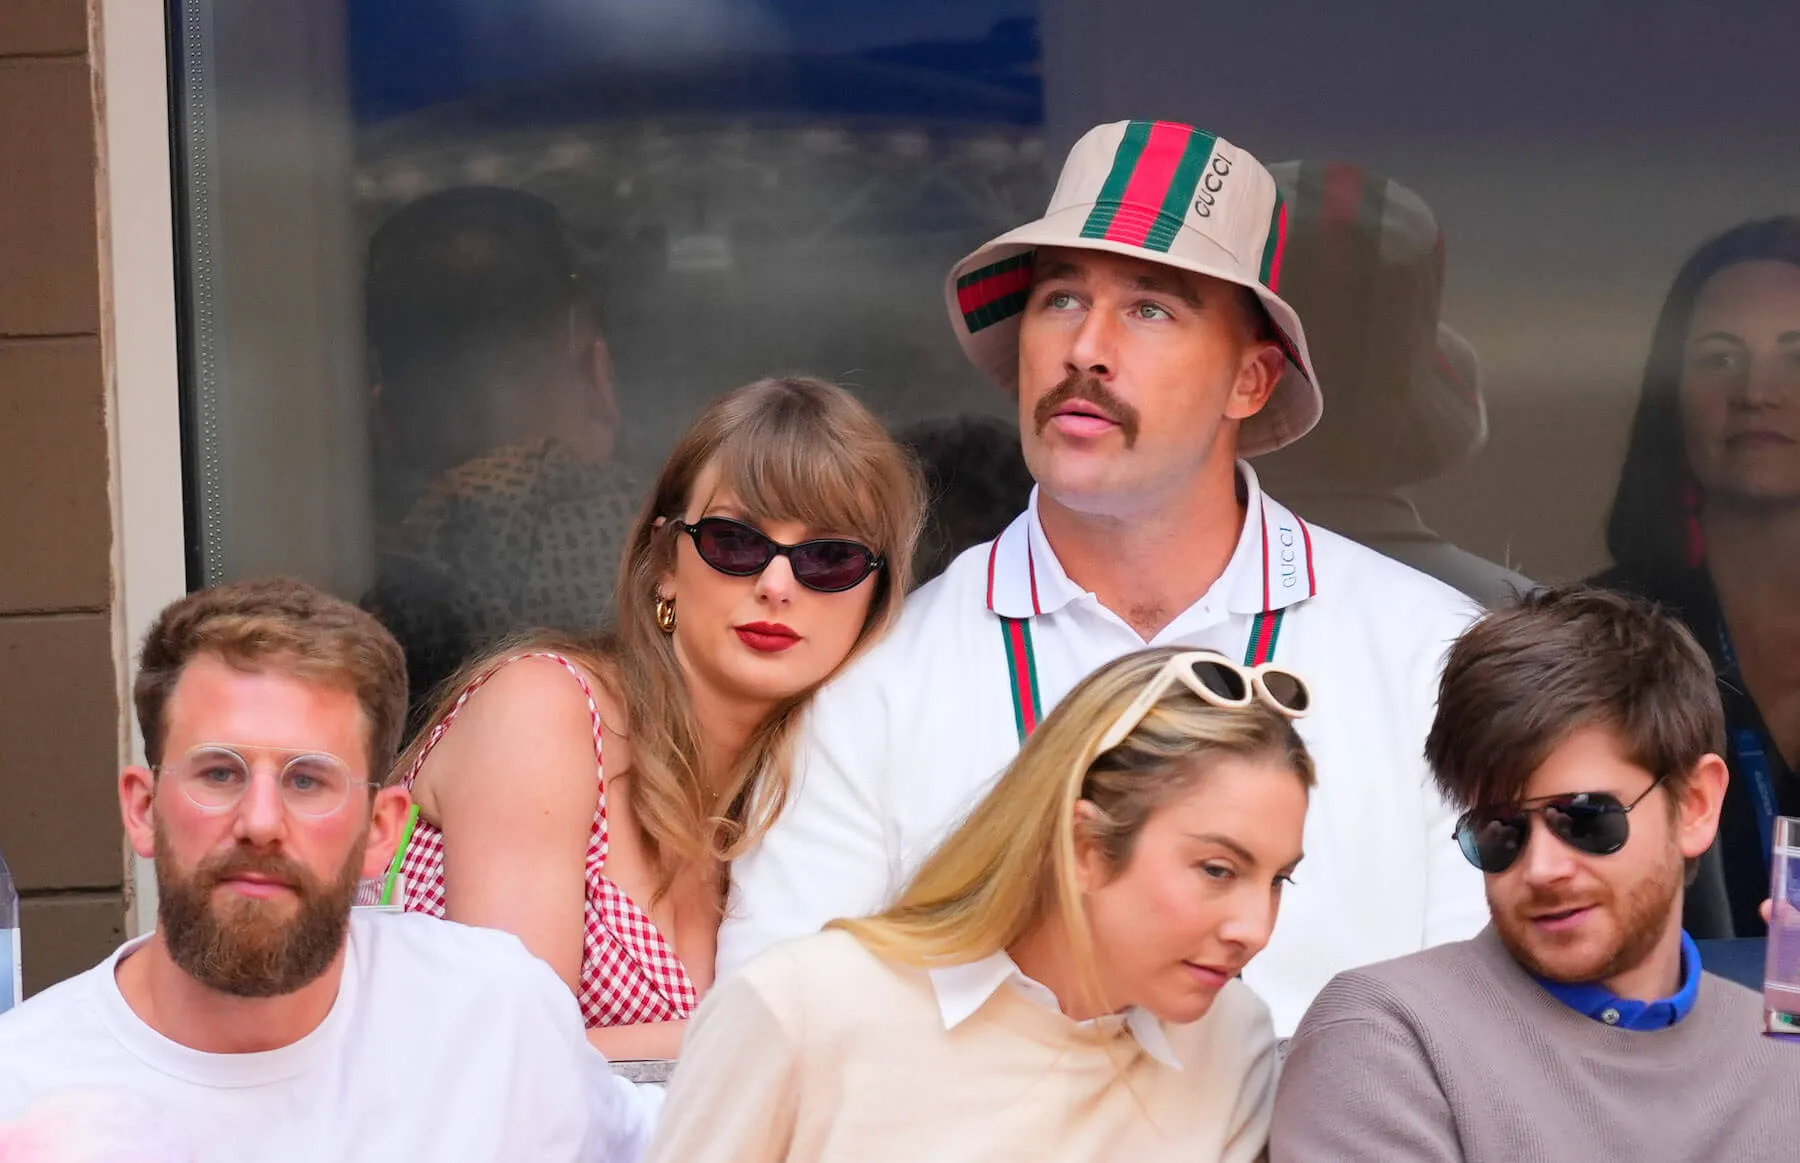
{"x": 629, "y": 971}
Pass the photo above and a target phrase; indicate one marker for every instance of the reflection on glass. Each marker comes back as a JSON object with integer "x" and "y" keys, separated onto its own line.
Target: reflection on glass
{"x": 1707, "y": 515}
{"x": 1403, "y": 401}
{"x": 599, "y": 220}
{"x": 498, "y": 500}
{"x": 976, "y": 481}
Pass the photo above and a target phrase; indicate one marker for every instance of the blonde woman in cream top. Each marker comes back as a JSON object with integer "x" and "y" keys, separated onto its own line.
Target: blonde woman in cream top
{"x": 1059, "y": 982}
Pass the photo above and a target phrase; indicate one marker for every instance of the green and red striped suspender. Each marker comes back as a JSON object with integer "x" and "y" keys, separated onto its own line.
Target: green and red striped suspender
{"x": 1021, "y": 663}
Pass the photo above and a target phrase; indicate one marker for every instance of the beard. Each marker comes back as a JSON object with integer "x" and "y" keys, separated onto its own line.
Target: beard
{"x": 244, "y": 948}
{"x": 1639, "y": 919}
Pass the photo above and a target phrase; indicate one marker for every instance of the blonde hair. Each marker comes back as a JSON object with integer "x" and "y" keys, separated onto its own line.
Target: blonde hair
{"x": 1012, "y": 863}
{"x": 788, "y": 449}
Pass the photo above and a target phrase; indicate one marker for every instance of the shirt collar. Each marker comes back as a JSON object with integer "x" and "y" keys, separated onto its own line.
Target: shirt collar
{"x": 963, "y": 989}
{"x": 1363, "y": 515}
{"x": 1597, "y": 1002}
{"x": 1271, "y": 569}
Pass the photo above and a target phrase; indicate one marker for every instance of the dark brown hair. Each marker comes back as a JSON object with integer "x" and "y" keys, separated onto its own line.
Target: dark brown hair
{"x": 1525, "y": 677}
{"x": 280, "y": 625}
{"x": 1647, "y": 531}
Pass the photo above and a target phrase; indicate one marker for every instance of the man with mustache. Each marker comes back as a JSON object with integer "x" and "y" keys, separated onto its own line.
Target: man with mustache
{"x": 1140, "y": 327}
{"x": 263, "y": 1019}
{"x": 1581, "y": 730}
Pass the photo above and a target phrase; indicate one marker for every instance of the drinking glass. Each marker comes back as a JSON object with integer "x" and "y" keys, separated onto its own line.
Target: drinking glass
{"x": 1781, "y": 970}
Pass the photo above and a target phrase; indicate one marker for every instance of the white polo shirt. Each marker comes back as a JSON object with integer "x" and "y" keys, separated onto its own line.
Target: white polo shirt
{"x": 900, "y": 747}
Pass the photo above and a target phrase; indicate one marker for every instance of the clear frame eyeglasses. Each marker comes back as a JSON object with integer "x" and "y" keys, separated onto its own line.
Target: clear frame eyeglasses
{"x": 215, "y": 776}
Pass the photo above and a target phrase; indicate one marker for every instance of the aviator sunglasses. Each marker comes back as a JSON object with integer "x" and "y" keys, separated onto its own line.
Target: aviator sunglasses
{"x": 829, "y": 565}
{"x": 1219, "y": 682}
{"x": 1594, "y": 822}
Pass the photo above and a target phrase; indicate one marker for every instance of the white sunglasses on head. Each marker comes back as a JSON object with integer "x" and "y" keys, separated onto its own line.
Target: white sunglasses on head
{"x": 1221, "y": 683}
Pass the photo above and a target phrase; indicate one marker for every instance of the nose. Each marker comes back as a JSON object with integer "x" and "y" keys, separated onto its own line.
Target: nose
{"x": 1769, "y": 383}
{"x": 261, "y": 816}
{"x": 776, "y": 582}
{"x": 1094, "y": 350}
{"x": 1546, "y": 860}
{"x": 1251, "y": 920}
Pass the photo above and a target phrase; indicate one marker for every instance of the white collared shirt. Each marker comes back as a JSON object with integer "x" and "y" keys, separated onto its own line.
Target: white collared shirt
{"x": 901, "y": 746}
{"x": 963, "y": 989}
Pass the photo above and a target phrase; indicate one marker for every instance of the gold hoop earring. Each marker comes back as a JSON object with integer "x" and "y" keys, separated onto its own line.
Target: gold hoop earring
{"x": 665, "y": 614}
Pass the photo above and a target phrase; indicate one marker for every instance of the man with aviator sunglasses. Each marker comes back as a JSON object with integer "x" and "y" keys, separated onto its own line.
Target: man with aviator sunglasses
{"x": 1581, "y": 733}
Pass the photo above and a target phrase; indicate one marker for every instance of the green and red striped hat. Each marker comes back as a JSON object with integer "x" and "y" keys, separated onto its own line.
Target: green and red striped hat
{"x": 1160, "y": 191}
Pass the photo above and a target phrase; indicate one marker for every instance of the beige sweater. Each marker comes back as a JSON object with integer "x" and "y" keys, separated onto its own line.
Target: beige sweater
{"x": 818, "y": 1052}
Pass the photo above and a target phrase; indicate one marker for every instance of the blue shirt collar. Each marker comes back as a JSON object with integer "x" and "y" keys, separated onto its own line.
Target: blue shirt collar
{"x": 1601, "y": 1004}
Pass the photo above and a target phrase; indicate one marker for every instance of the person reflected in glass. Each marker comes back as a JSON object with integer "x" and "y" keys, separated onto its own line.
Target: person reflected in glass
{"x": 1365, "y": 269}
{"x": 1060, "y": 980}
{"x": 586, "y": 793}
{"x": 976, "y": 479}
{"x": 1707, "y": 516}
{"x": 499, "y": 499}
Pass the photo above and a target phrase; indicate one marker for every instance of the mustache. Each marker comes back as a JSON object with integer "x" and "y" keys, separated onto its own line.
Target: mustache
{"x": 239, "y": 861}
{"x": 1090, "y": 391}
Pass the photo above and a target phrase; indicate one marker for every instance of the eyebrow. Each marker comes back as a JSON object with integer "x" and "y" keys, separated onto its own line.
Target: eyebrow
{"x": 730, "y": 510}
{"x": 1726, "y": 337}
{"x": 1225, "y": 842}
{"x": 1164, "y": 286}
{"x": 1788, "y": 337}
{"x": 1060, "y": 268}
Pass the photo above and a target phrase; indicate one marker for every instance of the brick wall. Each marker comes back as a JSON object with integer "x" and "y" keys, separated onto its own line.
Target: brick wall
{"x": 59, "y": 704}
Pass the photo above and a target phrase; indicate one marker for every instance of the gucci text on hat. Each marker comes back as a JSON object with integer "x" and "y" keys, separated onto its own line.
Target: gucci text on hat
{"x": 1166, "y": 193}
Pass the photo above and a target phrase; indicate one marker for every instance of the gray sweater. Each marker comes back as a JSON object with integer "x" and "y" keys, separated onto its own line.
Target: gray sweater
{"x": 1457, "y": 1053}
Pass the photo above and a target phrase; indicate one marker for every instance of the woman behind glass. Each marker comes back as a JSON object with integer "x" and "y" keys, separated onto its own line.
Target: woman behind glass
{"x": 1707, "y": 519}
{"x": 1059, "y": 982}
{"x": 775, "y": 546}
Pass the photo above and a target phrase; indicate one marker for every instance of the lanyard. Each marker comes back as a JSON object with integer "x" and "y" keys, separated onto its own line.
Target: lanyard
{"x": 1021, "y": 663}
{"x": 1751, "y": 751}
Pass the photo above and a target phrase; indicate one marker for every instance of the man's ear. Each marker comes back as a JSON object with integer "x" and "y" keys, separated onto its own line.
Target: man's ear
{"x": 1698, "y": 804}
{"x": 606, "y": 399}
{"x": 137, "y": 808}
{"x": 1259, "y": 372}
{"x": 387, "y": 823}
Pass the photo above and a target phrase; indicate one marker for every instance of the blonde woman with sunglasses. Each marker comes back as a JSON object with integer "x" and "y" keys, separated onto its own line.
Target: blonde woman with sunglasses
{"x": 1059, "y": 982}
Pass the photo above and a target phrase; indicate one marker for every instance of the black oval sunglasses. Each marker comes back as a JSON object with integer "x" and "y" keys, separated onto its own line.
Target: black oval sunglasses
{"x": 829, "y": 565}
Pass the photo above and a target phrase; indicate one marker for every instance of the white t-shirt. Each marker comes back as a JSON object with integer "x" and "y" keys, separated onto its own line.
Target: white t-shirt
{"x": 446, "y": 1043}
{"x": 899, "y": 748}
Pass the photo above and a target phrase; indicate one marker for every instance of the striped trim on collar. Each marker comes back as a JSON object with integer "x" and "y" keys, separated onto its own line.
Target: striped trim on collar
{"x": 1272, "y": 568}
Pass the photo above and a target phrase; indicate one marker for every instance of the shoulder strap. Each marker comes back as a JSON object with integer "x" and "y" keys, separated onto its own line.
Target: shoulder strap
{"x": 437, "y": 734}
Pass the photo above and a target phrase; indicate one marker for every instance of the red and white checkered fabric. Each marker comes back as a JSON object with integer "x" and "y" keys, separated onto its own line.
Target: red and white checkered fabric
{"x": 629, "y": 971}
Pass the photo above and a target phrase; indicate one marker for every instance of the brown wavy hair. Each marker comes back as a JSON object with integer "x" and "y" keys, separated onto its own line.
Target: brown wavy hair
{"x": 788, "y": 449}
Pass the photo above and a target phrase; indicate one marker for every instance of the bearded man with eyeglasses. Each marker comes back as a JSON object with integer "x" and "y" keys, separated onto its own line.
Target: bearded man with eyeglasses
{"x": 1580, "y": 733}
{"x": 265, "y": 1018}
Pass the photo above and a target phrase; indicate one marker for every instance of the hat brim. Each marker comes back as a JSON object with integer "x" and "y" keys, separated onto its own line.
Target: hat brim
{"x": 1456, "y": 399}
{"x": 989, "y": 330}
